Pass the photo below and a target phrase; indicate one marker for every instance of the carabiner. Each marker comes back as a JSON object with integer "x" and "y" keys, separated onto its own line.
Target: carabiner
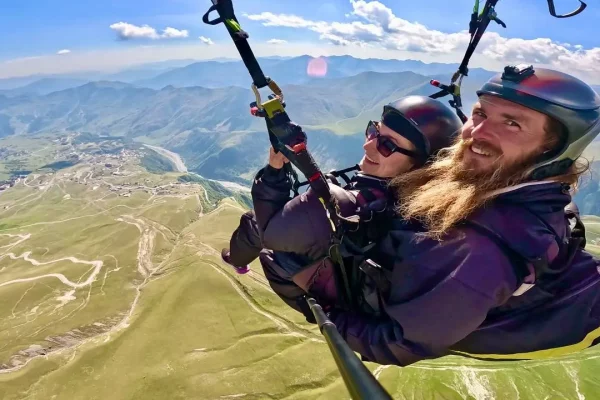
{"x": 571, "y": 14}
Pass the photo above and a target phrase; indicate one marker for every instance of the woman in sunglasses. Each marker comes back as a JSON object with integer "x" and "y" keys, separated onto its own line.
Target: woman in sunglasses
{"x": 411, "y": 131}
{"x": 296, "y": 232}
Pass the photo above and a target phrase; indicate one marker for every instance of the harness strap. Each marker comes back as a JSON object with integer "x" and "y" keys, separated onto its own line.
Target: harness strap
{"x": 477, "y": 26}
{"x": 227, "y": 16}
{"x": 369, "y": 195}
{"x": 582, "y": 7}
{"x": 336, "y": 173}
{"x": 578, "y": 230}
{"x": 285, "y": 136}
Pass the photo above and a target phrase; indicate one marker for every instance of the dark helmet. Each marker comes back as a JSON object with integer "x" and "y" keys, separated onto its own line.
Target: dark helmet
{"x": 428, "y": 123}
{"x": 560, "y": 96}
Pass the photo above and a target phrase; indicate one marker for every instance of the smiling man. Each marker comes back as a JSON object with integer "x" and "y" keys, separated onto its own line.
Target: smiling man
{"x": 482, "y": 262}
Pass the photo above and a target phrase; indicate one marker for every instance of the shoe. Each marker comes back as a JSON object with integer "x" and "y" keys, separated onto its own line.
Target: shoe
{"x": 226, "y": 256}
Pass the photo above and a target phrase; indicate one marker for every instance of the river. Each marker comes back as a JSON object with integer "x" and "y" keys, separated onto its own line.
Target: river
{"x": 173, "y": 157}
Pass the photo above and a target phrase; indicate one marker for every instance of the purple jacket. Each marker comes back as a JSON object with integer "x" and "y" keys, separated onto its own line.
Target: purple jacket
{"x": 300, "y": 225}
{"x": 461, "y": 295}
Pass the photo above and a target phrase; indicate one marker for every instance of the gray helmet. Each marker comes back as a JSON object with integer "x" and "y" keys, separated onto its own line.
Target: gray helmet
{"x": 560, "y": 96}
{"x": 428, "y": 123}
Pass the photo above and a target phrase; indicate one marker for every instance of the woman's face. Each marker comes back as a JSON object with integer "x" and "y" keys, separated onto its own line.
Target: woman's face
{"x": 375, "y": 164}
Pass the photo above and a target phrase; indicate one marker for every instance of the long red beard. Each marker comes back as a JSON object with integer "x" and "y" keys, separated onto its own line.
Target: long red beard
{"x": 446, "y": 192}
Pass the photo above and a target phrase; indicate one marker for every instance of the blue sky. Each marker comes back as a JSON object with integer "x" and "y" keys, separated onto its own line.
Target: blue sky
{"x": 41, "y": 28}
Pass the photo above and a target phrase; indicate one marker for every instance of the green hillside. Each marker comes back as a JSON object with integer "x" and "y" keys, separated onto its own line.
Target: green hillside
{"x": 111, "y": 286}
{"x": 167, "y": 319}
{"x": 104, "y": 275}
{"x": 155, "y": 163}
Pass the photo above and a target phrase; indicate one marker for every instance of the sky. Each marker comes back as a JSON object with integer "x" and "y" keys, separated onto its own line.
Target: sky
{"x": 68, "y": 36}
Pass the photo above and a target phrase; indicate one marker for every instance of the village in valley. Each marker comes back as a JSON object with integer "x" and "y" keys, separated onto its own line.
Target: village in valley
{"x": 96, "y": 161}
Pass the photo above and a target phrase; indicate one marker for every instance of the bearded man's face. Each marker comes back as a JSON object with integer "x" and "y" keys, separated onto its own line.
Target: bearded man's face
{"x": 500, "y": 135}
{"x": 498, "y": 147}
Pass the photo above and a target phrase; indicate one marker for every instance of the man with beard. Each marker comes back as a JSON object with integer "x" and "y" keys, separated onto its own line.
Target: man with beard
{"x": 481, "y": 262}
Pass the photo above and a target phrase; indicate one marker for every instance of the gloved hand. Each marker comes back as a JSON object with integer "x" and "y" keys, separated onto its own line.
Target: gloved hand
{"x": 276, "y": 160}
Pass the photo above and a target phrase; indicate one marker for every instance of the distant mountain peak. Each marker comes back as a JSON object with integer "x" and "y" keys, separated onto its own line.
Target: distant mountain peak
{"x": 107, "y": 85}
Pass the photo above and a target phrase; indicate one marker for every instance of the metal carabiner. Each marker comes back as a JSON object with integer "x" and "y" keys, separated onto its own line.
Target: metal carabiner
{"x": 571, "y": 14}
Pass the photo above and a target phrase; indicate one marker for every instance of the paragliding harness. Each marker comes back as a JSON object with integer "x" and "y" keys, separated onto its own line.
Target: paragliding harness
{"x": 290, "y": 139}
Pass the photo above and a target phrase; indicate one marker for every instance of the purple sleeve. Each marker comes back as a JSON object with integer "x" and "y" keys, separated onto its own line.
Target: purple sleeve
{"x": 270, "y": 192}
{"x": 441, "y": 310}
{"x": 295, "y": 225}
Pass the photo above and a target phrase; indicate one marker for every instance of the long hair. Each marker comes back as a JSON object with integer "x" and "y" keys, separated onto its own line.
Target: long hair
{"x": 445, "y": 192}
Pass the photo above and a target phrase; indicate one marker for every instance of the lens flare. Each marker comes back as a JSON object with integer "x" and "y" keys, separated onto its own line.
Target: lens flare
{"x": 317, "y": 67}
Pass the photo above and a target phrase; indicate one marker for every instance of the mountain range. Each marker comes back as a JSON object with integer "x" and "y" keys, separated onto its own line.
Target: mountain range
{"x": 18, "y": 85}
{"x": 292, "y": 71}
{"x": 224, "y": 72}
{"x": 211, "y": 126}
{"x": 201, "y": 110}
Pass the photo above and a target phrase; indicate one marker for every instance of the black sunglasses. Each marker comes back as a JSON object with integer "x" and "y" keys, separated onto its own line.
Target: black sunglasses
{"x": 385, "y": 146}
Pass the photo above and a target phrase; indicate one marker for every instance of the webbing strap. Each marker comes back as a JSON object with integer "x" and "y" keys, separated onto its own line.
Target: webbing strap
{"x": 477, "y": 27}
{"x": 285, "y": 136}
{"x": 227, "y": 16}
{"x": 582, "y": 7}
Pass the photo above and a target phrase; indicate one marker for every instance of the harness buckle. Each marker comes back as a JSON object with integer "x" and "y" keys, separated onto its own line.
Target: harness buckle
{"x": 271, "y": 107}
{"x": 375, "y": 272}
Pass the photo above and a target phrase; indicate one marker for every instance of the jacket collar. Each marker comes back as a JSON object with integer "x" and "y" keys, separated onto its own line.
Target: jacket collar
{"x": 363, "y": 179}
{"x": 509, "y": 189}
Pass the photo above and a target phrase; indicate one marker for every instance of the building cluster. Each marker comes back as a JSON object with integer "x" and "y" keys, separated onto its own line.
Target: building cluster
{"x": 8, "y": 183}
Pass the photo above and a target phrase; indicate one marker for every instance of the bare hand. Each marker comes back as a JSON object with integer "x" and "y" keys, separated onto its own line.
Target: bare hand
{"x": 276, "y": 160}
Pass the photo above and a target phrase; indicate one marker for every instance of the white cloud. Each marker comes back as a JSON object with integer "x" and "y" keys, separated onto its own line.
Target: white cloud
{"x": 206, "y": 40}
{"x": 372, "y": 32}
{"x": 292, "y": 21}
{"x": 544, "y": 51}
{"x": 126, "y": 31}
{"x": 172, "y": 33}
{"x": 376, "y": 26}
{"x": 63, "y": 51}
{"x": 277, "y": 41}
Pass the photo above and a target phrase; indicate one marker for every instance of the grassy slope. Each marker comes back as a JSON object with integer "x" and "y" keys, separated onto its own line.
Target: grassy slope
{"x": 88, "y": 234}
{"x": 201, "y": 331}
{"x": 195, "y": 303}
{"x": 155, "y": 163}
{"x": 26, "y": 154}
